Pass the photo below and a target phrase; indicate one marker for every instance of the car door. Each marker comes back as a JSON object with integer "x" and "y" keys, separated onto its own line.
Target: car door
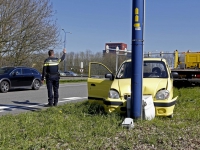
{"x": 16, "y": 78}
{"x": 27, "y": 77}
{"x": 98, "y": 85}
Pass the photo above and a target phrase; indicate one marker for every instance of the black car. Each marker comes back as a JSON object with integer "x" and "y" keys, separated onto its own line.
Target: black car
{"x": 19, "y": 77}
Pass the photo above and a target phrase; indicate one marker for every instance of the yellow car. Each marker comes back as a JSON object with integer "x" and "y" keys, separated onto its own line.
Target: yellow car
{"x": 112, "y": 91}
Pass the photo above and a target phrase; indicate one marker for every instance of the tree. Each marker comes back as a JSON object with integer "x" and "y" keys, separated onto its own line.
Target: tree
{"x": 26, "y": 29}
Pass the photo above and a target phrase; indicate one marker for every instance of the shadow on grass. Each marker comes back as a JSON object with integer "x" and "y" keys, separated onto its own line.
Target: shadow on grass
{"x": 97, "y": 109}
{"x": 93, "y": 109}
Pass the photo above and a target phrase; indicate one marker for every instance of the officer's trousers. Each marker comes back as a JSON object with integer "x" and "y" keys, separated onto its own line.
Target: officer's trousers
{"x": 52, "y": 82}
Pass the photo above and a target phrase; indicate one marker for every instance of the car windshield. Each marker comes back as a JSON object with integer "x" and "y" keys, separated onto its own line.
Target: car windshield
{"x": 154, "y": 69}
{"x": 151, "y": 69}
{"x": 60, "y": 71}
{"x": 5, "y": 70}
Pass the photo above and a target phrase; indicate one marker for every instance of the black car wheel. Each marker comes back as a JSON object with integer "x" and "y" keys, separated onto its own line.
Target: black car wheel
{"x": 4, "y": 87}
{"x": 36, "y": 85}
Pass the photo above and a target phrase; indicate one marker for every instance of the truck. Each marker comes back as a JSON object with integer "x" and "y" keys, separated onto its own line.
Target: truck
{"x": 186, "y": 67}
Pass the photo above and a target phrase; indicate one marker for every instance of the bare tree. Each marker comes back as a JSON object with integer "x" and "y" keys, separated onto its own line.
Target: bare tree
{"x": 26, "y": 29}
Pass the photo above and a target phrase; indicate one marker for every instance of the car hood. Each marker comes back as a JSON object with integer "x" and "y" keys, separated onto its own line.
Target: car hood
{"x": 150, "y": 85}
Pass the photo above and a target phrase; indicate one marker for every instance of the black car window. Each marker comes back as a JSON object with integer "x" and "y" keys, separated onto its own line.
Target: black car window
{"x": 26, "y": 71}
{"x": 17, "y": 71}
{"x": 34, "y": 71}
{"x": 5, "y": 70}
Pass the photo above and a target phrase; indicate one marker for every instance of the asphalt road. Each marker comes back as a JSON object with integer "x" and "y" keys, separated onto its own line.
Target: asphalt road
{"x": 18, "y": 101}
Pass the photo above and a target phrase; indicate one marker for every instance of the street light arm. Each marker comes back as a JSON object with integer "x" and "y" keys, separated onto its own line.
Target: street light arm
{"x": 66, "y": 32}
{"x": 65, "y": 37}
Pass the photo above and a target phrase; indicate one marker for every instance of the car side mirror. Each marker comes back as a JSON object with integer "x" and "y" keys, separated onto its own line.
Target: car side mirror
{"x": 174, "y": 74}
{"x": 110, "y": 76}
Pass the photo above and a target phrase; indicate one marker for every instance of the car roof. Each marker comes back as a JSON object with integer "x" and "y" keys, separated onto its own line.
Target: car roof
{"x": 149, "y": 59}
{"x": 23, "y": 67}
{"x": 16, "y": 67}
{"x": 20, "y": 67}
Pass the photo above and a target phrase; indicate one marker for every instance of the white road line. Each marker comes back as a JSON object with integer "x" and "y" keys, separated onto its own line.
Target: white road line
{"x": 74, "y": 98}
{"x": 66, "y": 85}
{"x": 11, "y": 107}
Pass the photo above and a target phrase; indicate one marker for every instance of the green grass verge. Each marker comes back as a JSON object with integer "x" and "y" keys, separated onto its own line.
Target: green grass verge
{"x": 81, "y": 126}
{"x": 72, "y": 81}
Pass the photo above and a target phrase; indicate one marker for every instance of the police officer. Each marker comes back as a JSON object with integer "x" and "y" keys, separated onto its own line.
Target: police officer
{"x": 50, "y": 72}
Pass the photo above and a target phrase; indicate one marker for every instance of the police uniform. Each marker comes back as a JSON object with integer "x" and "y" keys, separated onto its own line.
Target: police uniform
{"x": 50, "y": 72}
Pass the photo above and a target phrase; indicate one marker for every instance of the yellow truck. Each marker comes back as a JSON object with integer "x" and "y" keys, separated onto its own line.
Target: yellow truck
{"x": 186, "y": 67}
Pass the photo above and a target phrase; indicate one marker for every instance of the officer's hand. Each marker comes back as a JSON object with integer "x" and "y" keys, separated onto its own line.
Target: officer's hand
{"x": 42, "y": 81}
{"x": 64, "y": 51}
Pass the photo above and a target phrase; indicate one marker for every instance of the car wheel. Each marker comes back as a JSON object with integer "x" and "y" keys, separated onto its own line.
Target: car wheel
{"x": 4, "y": 87}
{"x": 36, "y": 85}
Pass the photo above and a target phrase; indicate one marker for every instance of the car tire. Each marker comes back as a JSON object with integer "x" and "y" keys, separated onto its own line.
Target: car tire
{"x": 36, "y": 85}
{"x": 5, "y": 86}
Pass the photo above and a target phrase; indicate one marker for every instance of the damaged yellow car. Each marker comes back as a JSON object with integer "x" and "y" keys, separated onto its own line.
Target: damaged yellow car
{"x": 112, "y": 91}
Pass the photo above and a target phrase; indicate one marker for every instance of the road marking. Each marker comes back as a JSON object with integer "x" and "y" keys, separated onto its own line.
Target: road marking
{"x": 74, "y": 98}
{"x": 66, "y": 85}
{"x": 14, "y": 107}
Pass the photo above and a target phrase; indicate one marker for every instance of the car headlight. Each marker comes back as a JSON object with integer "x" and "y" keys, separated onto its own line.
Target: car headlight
{"x": 113, "y": 94}
{"x": 162, "y": 94}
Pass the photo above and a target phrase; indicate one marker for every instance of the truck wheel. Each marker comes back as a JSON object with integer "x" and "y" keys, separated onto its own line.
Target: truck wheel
{"x": 36, "y": 85}
{"x": 4, "y": 87}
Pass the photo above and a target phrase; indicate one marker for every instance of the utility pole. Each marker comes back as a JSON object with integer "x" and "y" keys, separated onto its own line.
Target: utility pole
{"x": 137, "y": 58}
{"x": 65, "y": 48}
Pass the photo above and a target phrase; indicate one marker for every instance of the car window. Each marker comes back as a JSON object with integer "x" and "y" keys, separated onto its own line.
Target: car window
{"x": 26, "y": 71}
{"x": 154, "y": 69}
{"x": 17, "y": 71}
{"x": 34, "y": 71}
{"x": 60, "y": 71}
{"x": 67, "y": 72}
{"x": 98, "y": 70}
{"x": 5, "y": 70}
{"x": 125, "y": 70}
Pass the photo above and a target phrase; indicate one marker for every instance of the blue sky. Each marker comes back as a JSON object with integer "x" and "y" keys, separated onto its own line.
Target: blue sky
{"x": 169, "y": 24}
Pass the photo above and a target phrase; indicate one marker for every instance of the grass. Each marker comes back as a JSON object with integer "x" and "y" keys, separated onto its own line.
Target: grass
{"x": 81, "y": 126}
{"x": 71, "y": 81}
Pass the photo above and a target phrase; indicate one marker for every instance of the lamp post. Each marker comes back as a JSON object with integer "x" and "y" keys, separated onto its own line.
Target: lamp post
{"x": 117, "y": 52}
{"x": 65, "y": 47}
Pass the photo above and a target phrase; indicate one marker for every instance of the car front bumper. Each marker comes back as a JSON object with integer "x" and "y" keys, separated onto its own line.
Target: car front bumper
{"x": 162, "y": 107}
